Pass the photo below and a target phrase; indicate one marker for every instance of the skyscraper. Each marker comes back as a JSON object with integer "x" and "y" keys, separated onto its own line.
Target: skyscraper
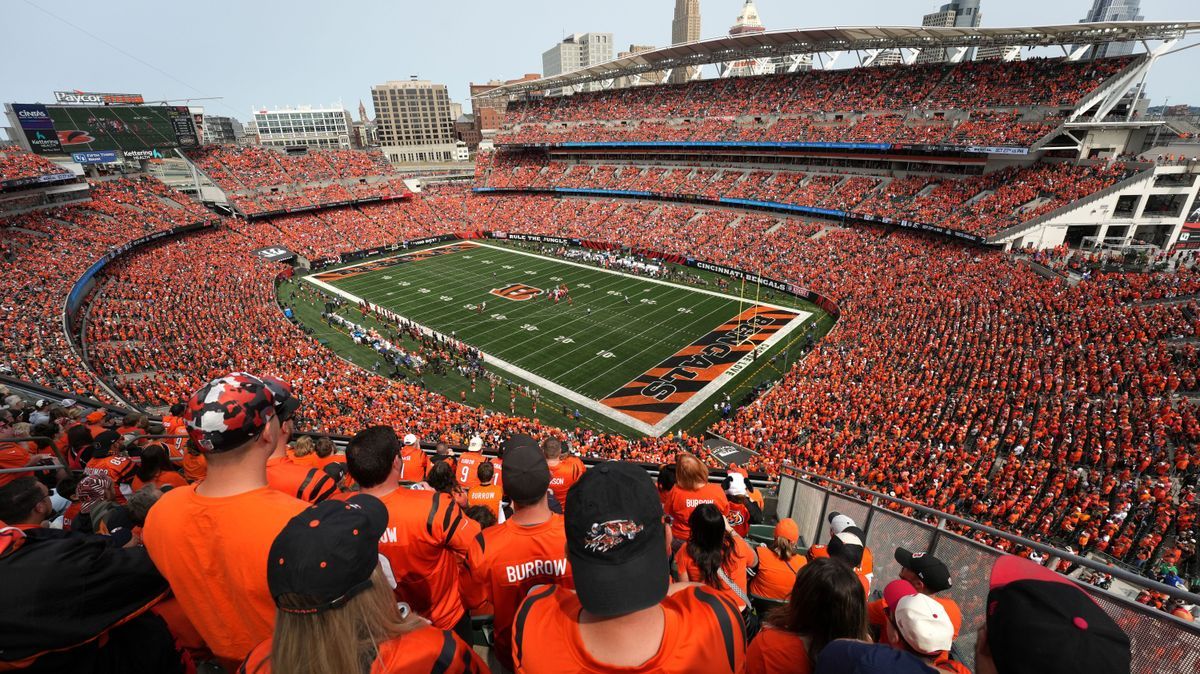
{"x": 1112, "y": 10}
{"x": 685, "y": 28}
{"x": 414, "y": 121}
{"x": 578, "y": 51}
{"x": 956, "y": 13}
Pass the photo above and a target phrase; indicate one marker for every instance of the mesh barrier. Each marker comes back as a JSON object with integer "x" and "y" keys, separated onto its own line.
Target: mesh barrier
{"x": 852, "y": 508}
{"x": 1160, "y": 644}
{"x": 804, "y": 507}
{"x": 1159, "y": 647}
{"x": 887, "y": 532}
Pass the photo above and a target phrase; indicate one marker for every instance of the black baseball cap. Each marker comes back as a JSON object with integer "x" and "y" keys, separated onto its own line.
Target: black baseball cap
{"x": 616, "y": 539}
{"x": 931, "y": 570}
{"x": 526, "y": 476}
{"x": 105, "y": 440}
{"x": 327, "y": 552}
{"x": 846, "y": 547}
{"x": 1040, "y": 621}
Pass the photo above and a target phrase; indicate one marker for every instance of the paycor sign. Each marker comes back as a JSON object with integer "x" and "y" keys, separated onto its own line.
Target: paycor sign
{"x": 94, "y": 98}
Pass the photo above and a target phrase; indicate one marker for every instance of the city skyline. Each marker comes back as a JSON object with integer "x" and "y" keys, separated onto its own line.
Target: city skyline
{"x": 246, "y": 66}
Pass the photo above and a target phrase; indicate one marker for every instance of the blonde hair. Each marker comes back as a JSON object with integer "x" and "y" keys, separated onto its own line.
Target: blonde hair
{"x": 303, "y": 446}
{"x": 690, "y": 472}
{"x": 343, "y": 639}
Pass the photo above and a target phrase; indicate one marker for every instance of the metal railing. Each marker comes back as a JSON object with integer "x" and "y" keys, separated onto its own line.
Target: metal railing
{"x": 1160, "y": 642}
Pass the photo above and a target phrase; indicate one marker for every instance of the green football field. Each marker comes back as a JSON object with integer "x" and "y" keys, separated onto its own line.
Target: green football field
{"x": 642, "y": 353}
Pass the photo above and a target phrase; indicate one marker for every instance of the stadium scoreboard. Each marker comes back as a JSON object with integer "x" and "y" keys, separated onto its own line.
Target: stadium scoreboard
{"x": 136, "y": 130}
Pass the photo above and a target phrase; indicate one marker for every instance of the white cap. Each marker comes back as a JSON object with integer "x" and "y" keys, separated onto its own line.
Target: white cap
{"x": 410, "y": 439}
{"x": 475, "y": 445}
{"x": 924, "y": 624}
{"x": 839, "y": 522}
{"x": 737, "y": 485}
{"x": 67, "y": 402}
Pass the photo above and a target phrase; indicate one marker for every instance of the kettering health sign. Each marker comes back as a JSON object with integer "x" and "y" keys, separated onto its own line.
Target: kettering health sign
{"x": 100, "y": 157}
{"x": 38, "y": 128}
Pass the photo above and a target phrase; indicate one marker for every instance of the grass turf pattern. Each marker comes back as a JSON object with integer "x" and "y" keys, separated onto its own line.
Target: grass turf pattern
{"x": 616, "y": 328}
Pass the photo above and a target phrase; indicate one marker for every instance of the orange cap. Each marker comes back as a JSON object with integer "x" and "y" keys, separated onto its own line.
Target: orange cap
{"x": 96, "y": 417}
{"x": 788, "y": 529}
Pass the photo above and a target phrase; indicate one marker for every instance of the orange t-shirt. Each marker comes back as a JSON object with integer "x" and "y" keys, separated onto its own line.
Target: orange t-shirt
{"x": 14, "y": 455}
{"x": 512, "y": 560}
{"x": 167, "y": 478}
{"x": 426, "y": 649}
{"x": 427, "y": 538}
{"x": 195, "y": 467}
{"x": 213, "y": 552}
{"x": 682, "y": 502}
{"x": 307, "y": 483}
{"x": 414, "y": 464}
{"x": 486, "y": 495}
{"x": 775, "y": 577}
{"x": 735, "y": 568}
{"x": 776, "y": 651}
{"x": 465, "y": 471}
{"x": 702, "y": 632}
{"x": 564, "y": 474}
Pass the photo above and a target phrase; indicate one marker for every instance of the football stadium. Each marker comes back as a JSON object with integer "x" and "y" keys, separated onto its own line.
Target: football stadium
{"x": 842, "y": 349}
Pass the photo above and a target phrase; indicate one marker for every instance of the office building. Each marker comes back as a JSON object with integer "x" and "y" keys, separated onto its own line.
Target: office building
{"x": 1112, "y": 10}
{"x": 303, "y": 126}
{"x": 685, "y": 27}
{"x": 578, "y": 51}
{"x": 652, "y": 77}
{"x": 957, "y": 13}
{"x": 488, "y": 113}
{"x": 220, "y": 130}
{"x": 747, "y": 22}
{"x": 414, "y": 121}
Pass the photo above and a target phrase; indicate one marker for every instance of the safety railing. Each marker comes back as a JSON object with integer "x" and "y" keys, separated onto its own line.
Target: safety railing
{"x": 1161, "y": 643}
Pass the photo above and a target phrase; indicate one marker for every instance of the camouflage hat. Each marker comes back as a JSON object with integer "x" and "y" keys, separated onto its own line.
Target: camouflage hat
{"x": 227, "y": 413}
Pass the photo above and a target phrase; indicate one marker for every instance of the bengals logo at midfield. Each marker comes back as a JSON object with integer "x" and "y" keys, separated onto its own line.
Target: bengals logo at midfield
{"x": 517, "y": 292}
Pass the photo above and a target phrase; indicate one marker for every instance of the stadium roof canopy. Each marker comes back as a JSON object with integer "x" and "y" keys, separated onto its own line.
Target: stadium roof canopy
{"x": 860, "y": 38}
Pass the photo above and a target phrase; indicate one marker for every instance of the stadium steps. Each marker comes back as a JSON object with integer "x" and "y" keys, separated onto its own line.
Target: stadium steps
{"x": 31, "y": 232}
{"x": 1028, "y": 225}
{"x": 65, "y": 223}
{"x": 1168, "y": 301}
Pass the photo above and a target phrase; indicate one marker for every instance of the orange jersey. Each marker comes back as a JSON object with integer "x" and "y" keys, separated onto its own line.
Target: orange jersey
{"x": 414, "y": 464}
{"x": 775, "y": 577}
{"x": 681, "y": 502}
{"x": 735, "y": 568}
{"x": 214, "y": 552}
{"x": 564, "y": 474}
{"x": 776, "y": 651}
{"x": 426, "y": 649}
{"x": 486, "y": 495}
{"x": 307, "y": 483}
{"x": 426, "y": 540}
{"x": 464, "y": 472}
{"x": 702, "y": 632}
{"x": 117, "y": 469}
{"x": 174, "y": 426}
{"x": 511, "y": 561}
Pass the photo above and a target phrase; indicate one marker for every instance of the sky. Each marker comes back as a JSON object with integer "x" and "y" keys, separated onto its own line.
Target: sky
{"x": 277, "y": 53}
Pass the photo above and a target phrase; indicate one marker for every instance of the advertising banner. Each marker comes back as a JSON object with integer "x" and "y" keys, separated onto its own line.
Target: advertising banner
{"x": 93, "y": 98}
{"x": 38, "y": 128}
{"x": 98, "y": 157}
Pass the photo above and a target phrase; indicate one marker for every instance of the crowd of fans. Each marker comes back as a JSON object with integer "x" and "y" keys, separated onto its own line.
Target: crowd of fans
{"x": 17, "y": 164}
{"x": 259, "y": 180}
{"x": 980, "y": 205}
{"x": 249, "y": 567}
{"x": 990, "y": 103}
{"x": 43, "y": 254}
